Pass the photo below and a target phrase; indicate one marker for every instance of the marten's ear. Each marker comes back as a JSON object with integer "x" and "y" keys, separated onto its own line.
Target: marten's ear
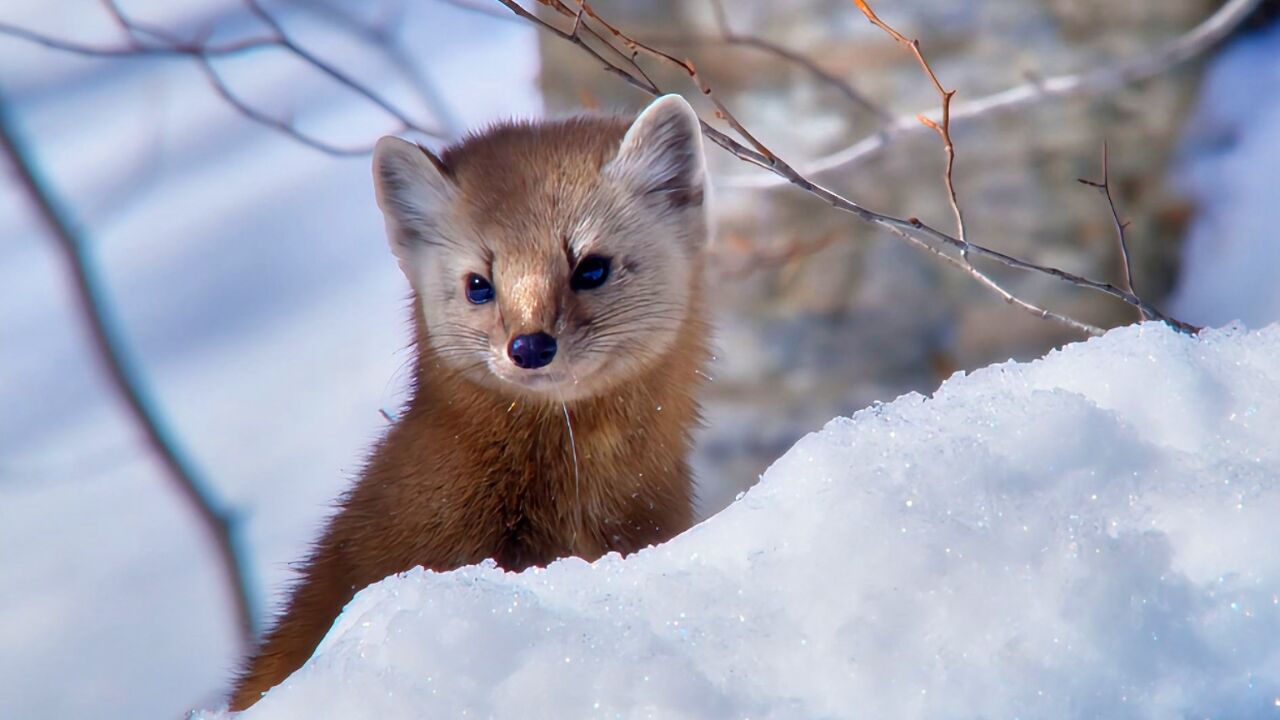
{"x": 661, "y": 154}
{"x": 413, "y": 189}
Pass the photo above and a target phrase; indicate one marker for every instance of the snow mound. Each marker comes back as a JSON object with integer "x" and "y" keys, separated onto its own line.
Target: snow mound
{"x": 1093, "y": 534}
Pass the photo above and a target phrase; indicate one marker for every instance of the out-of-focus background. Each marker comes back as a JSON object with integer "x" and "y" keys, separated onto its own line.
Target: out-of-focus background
{"x": 246, "y": 275}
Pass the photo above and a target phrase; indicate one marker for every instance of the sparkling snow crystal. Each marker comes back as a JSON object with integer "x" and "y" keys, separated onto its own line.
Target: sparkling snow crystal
{"x": 1093, "y": 534}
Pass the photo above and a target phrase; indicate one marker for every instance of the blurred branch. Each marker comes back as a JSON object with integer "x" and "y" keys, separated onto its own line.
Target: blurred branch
{"x": 333, "y": 72}
{"x": 146, "y": 41}
{"x": 128, "y": 383}
{"x": 729, "y": 37}
{"x": 1104, "y": 187}
{"x": 911, "y": 230}
{"x": 177, "y": 50}
{"x": 1099, "y": 80}
{"x": 480, "y": 7}
{"x": 283, "y": 126}
{"x": 743, "y": 256}
{"x": 384, "y": 37}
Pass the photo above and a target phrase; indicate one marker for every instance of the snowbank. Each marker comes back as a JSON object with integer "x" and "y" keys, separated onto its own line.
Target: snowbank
{"x": 1090, "y": 534}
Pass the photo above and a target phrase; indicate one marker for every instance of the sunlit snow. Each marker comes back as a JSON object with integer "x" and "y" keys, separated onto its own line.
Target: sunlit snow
{"x": 1091, "y": 534}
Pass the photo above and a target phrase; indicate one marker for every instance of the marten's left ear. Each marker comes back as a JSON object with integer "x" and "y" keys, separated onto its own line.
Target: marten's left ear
{"x": 661, "y": 155}
{"x": 414, "y": 190}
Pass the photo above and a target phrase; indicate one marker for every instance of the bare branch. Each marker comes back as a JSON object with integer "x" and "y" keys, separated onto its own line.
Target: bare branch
{"x": 647, "y": 86}
{"x": 748, "y": 258}
{"x": 1104, "y": 187}
{"x": 1098, "y": 80}
{"x": 111, "y": 350}
{"x": 943, "y": 128}
{"x": 911, "y": 229}
{"x": 729, "y": 37}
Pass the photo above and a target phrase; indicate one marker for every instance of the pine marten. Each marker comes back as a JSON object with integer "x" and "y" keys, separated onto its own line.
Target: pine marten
{"x": 556, "y": 270}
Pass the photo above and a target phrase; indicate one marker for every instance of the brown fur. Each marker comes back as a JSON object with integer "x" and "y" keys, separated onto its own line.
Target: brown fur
{"x": 474, "y": 470}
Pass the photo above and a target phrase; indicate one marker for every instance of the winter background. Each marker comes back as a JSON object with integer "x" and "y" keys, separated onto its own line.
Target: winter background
{"x": 1087, "y": 535}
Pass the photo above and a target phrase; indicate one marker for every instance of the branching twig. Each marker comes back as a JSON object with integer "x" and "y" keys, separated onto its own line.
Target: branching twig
{"x": 942, "y": 127}
{"x": 1101, "y": 79}
{"x": 1104, "y": 187}
{"x": 90, "y": 296}
{"x": 729, "y": 37}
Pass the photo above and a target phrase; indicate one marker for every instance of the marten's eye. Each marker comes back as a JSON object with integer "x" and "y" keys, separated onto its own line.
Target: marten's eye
{"x": 590, "y": 273}
{"x": 479, "y": 291}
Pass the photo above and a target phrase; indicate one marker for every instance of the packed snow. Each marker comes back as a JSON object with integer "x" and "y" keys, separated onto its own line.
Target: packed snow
{"x": 1091, "y": 534}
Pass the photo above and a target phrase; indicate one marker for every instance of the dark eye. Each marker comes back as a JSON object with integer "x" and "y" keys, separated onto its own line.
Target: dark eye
{"x": 479, "y": 291}
{"x": 590, "y": 273}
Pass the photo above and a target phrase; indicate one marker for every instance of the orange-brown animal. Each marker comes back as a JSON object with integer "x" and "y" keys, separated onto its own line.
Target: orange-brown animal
{"x": 558, "y": 319}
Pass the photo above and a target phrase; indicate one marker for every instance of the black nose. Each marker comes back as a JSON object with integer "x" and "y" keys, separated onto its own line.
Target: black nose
{"x": 532, "y": 351}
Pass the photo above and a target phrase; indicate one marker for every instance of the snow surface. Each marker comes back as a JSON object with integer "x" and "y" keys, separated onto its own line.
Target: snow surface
{"x": 1091, "y": 534}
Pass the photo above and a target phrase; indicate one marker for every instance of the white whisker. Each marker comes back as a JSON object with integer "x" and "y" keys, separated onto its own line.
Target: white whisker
{"x": 577, "y": 487}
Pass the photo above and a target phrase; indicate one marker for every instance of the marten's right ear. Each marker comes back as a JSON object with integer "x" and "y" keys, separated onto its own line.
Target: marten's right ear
{"x": 661, "y": 155}
{"x": 413, "y": 189}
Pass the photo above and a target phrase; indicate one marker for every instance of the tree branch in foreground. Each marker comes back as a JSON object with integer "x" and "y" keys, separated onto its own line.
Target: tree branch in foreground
{"x": 1099, "y": 80}
{"x": 910, "y": 229}
{"x": 1104, "y": 187}
{"x": 110, "y": 348}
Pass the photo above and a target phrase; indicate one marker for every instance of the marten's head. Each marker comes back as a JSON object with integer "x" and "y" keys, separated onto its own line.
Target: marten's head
{"x": 552, "y": 259}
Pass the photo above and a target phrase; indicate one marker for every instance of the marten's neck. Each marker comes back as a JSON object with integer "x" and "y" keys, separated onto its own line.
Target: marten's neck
{"x": 585, "y": 477}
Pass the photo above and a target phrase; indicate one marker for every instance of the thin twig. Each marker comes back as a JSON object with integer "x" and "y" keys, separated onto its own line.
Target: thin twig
{"x": 214, "y": 517}
{"x": 608, "y": 67}
{"x": 1100, "y": 80}
{"x": 943, "y": 127}
{"x": 1104, "y": 187}
{"x": 729, "y": 37}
